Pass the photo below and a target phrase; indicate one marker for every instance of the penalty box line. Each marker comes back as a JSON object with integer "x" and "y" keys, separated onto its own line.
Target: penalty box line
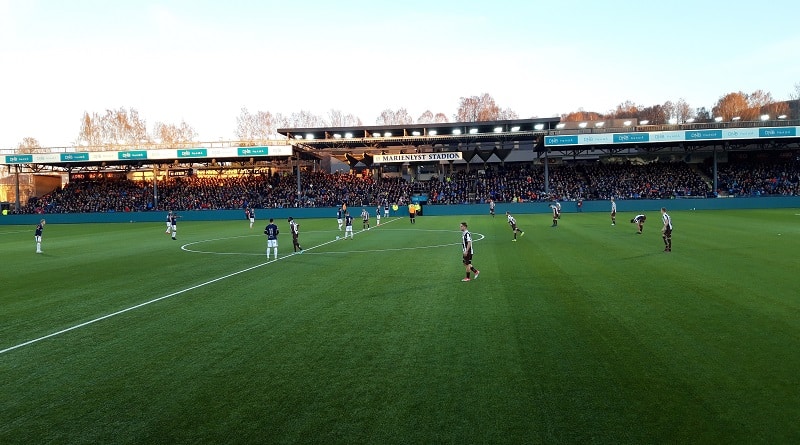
{"x": 140, "y": 305}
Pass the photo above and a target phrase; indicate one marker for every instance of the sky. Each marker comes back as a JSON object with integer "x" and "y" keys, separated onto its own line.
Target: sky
{"x": 202, "y": 61}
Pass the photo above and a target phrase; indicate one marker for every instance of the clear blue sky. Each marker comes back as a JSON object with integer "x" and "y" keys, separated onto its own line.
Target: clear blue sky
{"x": 202, "y": 61}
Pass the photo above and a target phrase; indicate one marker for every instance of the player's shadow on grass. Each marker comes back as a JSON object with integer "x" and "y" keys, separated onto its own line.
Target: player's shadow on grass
{"x": 644, "y": 255}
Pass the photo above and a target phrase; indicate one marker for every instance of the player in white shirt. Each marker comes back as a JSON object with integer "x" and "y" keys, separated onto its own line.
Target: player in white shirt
{"x": 169, "y": 221}
{"x": 378, "y": 216}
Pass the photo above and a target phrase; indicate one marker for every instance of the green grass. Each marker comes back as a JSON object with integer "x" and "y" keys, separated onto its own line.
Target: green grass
{"x": 584, "y": 333}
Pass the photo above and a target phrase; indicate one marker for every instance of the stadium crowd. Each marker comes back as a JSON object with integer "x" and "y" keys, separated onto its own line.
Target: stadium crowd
{"x": 509, "y": 183}
{"x": 759, "y": 178}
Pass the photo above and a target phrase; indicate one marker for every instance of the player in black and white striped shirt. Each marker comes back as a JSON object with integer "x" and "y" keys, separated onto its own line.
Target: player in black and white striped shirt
{"x": 513, "y": 223}
{"x": 666, "y": 231}
{"x": 466, "y": 246}
{"x": 639, "y": 221}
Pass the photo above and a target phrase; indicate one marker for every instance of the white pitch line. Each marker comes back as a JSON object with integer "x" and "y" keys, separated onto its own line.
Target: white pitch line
{"x": 87, "y": 323}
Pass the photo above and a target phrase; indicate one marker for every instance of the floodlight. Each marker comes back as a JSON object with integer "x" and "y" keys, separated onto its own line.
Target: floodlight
{"x": 735, "y": 118}
{"x": 782, "y": 116}
{"x": 432, "y": 132}
{"x": 583, "y": 124}
{"x": 765, "y": 117}
{"x": 538, "y": 127}
{"x": 388, "y": 134}
{"x": 348, "y": 135}
{"x": 690, "y": 120}
{"x": 456, "y": 131}
{"x": 560, "y": 126}
{"x": 627, "y": 123}
{"x": 309, "y": 136}
{"x": 515, "y": 128}
{"x": 718, "y": 119}
{"x": 415, "y": 133}
{"x": 498, "y": 129}
{"x": 337, "y": 136}
{"x": 298, "y": 136}
{"x": 644, "y": 122}
{"x": 376, "y": 135}
{"x": 672, "y": 121}
{"x": 599, "y": 124}
{"x": 473, "y": 131}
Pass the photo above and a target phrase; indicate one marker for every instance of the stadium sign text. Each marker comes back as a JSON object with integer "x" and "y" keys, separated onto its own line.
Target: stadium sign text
{"x": 417, "y": 157}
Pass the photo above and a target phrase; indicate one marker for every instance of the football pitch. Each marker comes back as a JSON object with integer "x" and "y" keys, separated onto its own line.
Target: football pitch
{"x": 584, "y": 333}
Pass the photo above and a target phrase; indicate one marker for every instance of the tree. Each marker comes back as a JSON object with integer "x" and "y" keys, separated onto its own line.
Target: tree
{"x": 256, "y": 126}
{"x": 123, "y": 127}
{"x": 426, "y": 117}
{"x": 776, "y": 109}
{"x": 171, "y": 134}
{"x": 795, "y": 95}
{"x": 337, "y": 118}
{"x": 390, "y": 117}
{"x": 731, "y": 105}
{"x": 112, "y": 129}
{"x": 625, "y": 110}
{"x": 30, "y": 145}
{"x": 759, "y": 99}
{"x": 305, "y": 119}
{"x": 440, "y": 118}
{"x": 477, "y": 109}
{"x": 582, "y": 116}
{"x": 507, "y": 114}
{"x": 91, "y": 133}
{"x": 654, "y": 115}
{"x": 702, "y": 115}
{"x": 683, "y": 111}
{"x": 668, "y": 108}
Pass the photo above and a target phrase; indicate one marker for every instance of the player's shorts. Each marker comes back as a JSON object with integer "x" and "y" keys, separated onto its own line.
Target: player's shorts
{"x": 668, "y": 233}
{"x": 513, "y": 227}
{"x": 467, "y": 259}
{"x": 339, "y": 221}
{"x": 252, "y": 220}
{"x": 272, "y": 243}
{"x": 174, "y": 228}
{"x": 613, "y": 213}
